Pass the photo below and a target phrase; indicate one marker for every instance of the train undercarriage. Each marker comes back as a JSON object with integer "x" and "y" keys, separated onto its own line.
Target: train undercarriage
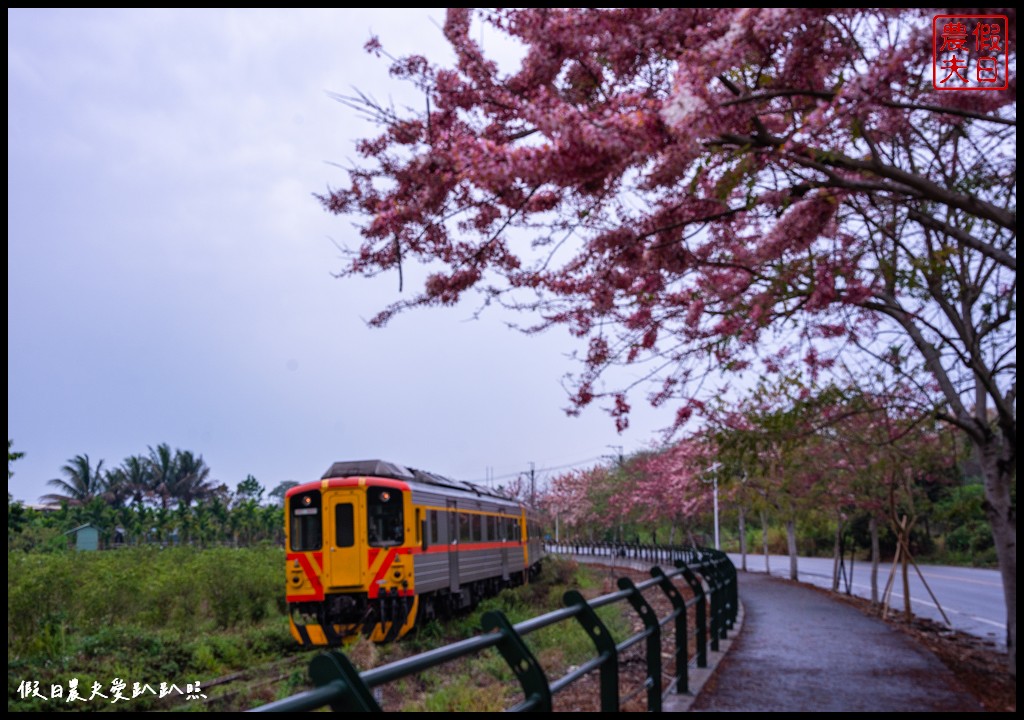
{"x": 386, "y": 618}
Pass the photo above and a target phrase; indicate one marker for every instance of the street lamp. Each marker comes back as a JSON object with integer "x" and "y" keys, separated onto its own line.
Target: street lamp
{"x": 714, "y": 481}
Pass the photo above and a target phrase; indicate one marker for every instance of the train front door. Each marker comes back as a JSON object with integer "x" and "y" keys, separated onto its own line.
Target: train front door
{"x": 348, "y": 518}
{"x": 453, "y": 546}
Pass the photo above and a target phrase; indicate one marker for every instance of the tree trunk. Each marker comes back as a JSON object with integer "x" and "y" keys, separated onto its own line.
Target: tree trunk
{"x": 837, "y": 554}
{"x": 908, "y": 612}
{"x": 743, "y": 538}
{"x": 875, "y": 558}
{"x": 999, "y": 466}
{"x": 791, "y": 541}
{"x": 764, "y": 541}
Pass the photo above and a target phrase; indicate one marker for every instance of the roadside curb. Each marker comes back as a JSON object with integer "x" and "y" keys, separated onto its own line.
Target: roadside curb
{"x": 700, "y": 676}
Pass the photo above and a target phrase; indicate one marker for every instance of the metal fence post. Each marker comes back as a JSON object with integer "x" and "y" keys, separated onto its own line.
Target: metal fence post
{"x": 734, "y": 594}
{"x": 682, "y": 649}
{"x": 652, "y": 644}
{"x": 333, "y": 666}
{"x": 521, "y": 661}
{"x": 605, "y": 645}
{"x": 702, "y": 622}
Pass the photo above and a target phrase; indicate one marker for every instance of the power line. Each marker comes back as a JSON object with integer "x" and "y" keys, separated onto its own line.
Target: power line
{"x": 493, "y": 478}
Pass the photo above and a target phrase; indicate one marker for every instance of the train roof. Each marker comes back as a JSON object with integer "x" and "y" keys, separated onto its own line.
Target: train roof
{"x": 385, "y": 469}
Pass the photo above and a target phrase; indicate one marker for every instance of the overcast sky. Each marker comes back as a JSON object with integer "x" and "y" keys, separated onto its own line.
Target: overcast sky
{"x": 170, "y": 272}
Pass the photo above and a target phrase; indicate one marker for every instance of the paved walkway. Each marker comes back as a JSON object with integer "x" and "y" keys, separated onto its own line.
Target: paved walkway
{"x": 796, "y": 649}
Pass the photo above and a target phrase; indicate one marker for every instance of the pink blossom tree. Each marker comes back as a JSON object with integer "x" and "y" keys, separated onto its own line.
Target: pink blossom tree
{"x": 889, "y": 451}
{"x": 632, "y": 500}
{"x": 585, "y": 502}
{"x": 565, "y": 500}
{"x": 668, "y": 487}
{"x": 775, "y": 434}
{"x": 697, "y": 192}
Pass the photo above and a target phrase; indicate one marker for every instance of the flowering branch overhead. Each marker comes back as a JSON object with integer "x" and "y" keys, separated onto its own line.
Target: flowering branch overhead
{"x": 703, "y": 192}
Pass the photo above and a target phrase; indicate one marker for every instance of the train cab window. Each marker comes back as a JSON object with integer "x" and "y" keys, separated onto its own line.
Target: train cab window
{"x": 305, "y": 522}
{"x": 344, "y": 525}
{"x": 385, "y": 522}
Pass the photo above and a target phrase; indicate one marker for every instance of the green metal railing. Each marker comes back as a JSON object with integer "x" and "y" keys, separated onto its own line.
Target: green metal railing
{"x": 709, "y": 574}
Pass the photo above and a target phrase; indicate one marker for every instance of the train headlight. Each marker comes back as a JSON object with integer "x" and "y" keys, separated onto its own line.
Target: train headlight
{"x": 385, "y": 496}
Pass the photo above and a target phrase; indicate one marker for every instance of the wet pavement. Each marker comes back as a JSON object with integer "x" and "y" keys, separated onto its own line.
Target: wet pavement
{"x": 796, "y": 649}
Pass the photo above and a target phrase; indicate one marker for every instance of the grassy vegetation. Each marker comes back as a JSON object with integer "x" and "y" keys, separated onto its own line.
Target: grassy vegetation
{"x": 147, "y": 615}
{"x": 179, "y": 615}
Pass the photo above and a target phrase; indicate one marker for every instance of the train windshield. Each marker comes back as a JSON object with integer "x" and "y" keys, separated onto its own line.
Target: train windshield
{"x": 306, "y": 523}
{"x": 384, "y": 517}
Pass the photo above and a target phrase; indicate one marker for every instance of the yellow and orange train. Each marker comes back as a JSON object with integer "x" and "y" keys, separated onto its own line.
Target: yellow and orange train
{"x": 375, "y": 547}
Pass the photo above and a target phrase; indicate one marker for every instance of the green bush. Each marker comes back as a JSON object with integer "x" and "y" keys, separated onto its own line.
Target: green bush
{"x": 143, "y": 614}
{"x": 182, "y": 589}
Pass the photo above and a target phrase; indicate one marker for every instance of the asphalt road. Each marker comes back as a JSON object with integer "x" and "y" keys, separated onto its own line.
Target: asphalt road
{"x": 971, "y": 598}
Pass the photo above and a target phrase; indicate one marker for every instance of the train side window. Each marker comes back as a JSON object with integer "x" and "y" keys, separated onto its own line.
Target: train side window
{"x": 344, "y": 525}
{"x": 305, "y": 526}
{"x": 384, "y": 517}
{"x": 492, "y": 528}
{"x": 464, "y": 528}
{"x": 435, "y": 527}
{"x": 476, "y": 528}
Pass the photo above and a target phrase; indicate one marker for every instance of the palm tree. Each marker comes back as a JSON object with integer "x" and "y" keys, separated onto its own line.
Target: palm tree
{"x": 220, "y": 514}
{"x": 278, "y": 492}
{"x": 11, "y": 457}
{"x": 190, "y": 478}
{"x": 118, "y": 489}
{"x": 161, "y": 468}
{"x": 138, "y": 476}
{"x": 83, "y": 482}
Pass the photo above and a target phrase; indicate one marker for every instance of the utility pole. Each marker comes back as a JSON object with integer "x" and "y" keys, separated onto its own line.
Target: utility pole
{"x": 718, "y": 545}
{"x": 619, "y": 448}
{"x": 533, "y": 486}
